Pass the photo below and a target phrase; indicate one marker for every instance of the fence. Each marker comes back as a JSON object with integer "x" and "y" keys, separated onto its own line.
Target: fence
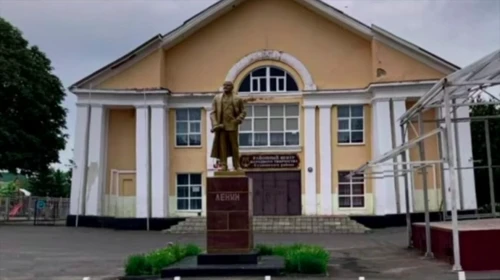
{"x": 39, "y": 210}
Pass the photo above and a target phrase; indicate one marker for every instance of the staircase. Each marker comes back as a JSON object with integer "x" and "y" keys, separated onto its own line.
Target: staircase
{"x": 282, "y": 224}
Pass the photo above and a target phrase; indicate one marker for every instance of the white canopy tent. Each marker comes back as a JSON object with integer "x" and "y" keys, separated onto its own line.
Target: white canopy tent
{"x": 449, "y": 93}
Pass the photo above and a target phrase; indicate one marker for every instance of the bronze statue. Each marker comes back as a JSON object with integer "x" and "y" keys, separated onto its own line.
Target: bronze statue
{"x": 228, "y": 112}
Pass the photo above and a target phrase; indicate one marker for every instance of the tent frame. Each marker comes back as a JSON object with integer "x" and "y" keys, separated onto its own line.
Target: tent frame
{"x": 450, "y": 93}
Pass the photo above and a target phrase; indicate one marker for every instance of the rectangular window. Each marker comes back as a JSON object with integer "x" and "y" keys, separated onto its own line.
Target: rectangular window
{"x": 188, "y": 127}
{"x": 351, "y": 191}
{"x": 270, "y": 126}
{"x": 189, "y": 191}
{"x": 350, "y": 124}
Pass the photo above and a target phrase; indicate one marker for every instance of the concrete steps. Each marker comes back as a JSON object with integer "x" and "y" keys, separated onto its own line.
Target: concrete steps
{"x": 282, "y": 224}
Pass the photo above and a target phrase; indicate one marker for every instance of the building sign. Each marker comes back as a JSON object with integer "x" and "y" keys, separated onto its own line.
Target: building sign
{"x": 269, "y": 161}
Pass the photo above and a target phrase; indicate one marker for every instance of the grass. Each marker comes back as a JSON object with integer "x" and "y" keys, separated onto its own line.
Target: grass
{"x": 299, "y": 258}
{"x": 151, "y": 263}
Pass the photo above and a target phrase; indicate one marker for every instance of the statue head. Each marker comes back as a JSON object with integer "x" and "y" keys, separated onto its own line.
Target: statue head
{"x": 227, "y": 87}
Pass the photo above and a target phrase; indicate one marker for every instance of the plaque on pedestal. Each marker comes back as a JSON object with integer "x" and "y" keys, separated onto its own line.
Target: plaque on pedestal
{"x": 229, "y": 214}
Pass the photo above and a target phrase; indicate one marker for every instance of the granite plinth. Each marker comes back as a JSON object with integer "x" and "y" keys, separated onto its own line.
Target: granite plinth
{"x": 189, "y": 267}
{"x": 237, "y": 258}
{"x": 229, "y": 214}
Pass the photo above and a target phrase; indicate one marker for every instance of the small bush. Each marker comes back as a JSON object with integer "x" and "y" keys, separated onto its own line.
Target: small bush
{"x": 264, "y": 250}
{"x": 153, "y": 262}
{"x": 136, "y": 266}
{"x": 192, "y": 250}
{"x": 299, "y": 258}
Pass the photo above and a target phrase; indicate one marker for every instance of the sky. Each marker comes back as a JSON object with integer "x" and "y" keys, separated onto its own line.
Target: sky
{"x": 80, "y": 36}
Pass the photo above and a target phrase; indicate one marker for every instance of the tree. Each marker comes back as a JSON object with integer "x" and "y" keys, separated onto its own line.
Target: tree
{"x": 50, "y": 182}
{"x": 480, "y": 154}
{"x": 32, "y": 118}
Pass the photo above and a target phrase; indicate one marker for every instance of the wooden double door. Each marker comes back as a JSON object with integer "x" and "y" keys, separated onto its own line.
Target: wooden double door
{"x": 276, "y": 193}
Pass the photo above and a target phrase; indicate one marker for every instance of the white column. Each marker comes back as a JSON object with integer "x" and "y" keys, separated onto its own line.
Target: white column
{"x": 446, "y": 166}
{"x": 466, "y": 159}
{"x": 210, "y": 140}
{"x": 142, "y": 161}
{"x": 159, "y": 162}
{"x": 467, "y": 175}
{"x": 325, "y": 143}
{"x": 385, "y": 198}
{"x": 79, "y": 158}
{"x": 399, "y": 110}
{"x": 96, "y": 165}
{"x": 310, "y": 160}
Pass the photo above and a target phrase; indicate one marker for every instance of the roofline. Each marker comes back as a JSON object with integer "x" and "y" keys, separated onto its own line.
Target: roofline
{"x": 198, "y": 21}
{"x": 379, "y": 30}
{"x": 218, "y": 8}
{"x": 118, "y": 62}
{"x": 78, "y": 91}
{"x": 343, "y": 18}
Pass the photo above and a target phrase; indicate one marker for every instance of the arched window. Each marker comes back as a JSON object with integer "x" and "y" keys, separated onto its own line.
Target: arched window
{"x": 268, "y": 79}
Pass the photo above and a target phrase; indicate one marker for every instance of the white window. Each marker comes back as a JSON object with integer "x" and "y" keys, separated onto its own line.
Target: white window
{"x": 188, "y": 127}
{"x": 351, "y": 191}
{"x": 268, "y": 79}
{"x": 189, "y": 191}
{"x": 270, "y": 125}
{"x": 350, "y": 124}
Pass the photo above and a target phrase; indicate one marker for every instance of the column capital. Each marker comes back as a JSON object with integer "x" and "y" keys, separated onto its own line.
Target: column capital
{"x": 309, "y": 106}
{"x": 157, "y": 106}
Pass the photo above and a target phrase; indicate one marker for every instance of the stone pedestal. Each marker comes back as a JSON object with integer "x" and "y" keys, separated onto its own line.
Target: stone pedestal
{"x": 229, "y": 213}
{"x": 229, "y": 234}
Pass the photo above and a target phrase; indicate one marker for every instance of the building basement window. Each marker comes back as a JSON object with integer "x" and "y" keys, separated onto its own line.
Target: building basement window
{"x": 351, "y": 191}
{"x": 189, "y": 191}
{"x": 188, "y": 127}
{"x": 350, "y": 124}
{"x": 270, "y": 126}
{"x": 268, "y": 79}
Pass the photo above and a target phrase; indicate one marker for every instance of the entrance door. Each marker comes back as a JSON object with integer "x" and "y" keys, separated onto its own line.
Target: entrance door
{"x": 276, "y": 193}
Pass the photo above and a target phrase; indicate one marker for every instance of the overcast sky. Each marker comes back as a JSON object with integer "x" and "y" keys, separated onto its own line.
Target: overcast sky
{"x": 81, "y": 36}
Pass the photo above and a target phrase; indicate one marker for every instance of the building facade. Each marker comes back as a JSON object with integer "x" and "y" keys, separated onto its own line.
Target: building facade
{"x": 317, "y": 86}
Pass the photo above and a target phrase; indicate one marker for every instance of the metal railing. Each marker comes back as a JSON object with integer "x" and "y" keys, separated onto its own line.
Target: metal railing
{"x": 32, "y": 208}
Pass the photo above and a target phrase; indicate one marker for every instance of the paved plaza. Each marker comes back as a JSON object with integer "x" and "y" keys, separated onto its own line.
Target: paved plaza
{"x": 57, "y": 252}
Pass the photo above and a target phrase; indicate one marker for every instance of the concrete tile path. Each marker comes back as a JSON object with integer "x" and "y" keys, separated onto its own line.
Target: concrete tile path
{"x": 55, "y": 252}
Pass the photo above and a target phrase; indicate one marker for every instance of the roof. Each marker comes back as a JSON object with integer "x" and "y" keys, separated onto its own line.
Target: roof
{"x": 119, "y": 61}
{"x": 221, "y": 7}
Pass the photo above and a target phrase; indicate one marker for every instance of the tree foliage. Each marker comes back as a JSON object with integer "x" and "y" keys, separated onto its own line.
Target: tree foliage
{"x": 50, "y": 182}
{"x": 32, "y": 118}
{"x": 480, "y": 152}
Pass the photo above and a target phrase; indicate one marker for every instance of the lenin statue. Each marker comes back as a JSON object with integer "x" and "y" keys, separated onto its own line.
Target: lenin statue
{"x": 228, "y": 112}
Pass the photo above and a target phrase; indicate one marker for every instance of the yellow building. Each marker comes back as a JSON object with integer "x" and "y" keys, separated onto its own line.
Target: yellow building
{"x": 317, "y": 85}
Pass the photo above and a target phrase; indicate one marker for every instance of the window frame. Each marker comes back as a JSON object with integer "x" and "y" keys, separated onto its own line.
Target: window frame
{"x": 189, "y": 186}
{"x": 350, "y": 195}
{"x": 268, "y": 78}
{"x": 268, "y": 117}
{"x": 188, "y": 133}
{"x": 349, "y": 129}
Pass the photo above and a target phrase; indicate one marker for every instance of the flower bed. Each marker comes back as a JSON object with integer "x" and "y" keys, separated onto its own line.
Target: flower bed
{"x": 150, "y": 264}
{"x": 299, "y": 258}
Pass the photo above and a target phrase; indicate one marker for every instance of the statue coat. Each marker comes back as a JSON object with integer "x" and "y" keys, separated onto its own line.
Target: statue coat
{"x": 216, "y": 118}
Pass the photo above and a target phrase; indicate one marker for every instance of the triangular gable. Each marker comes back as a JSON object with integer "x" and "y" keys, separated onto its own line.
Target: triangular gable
{"x": 222, "y": 7}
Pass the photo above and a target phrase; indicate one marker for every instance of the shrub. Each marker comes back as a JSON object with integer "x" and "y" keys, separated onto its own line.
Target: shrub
{"x": 192, "y": 250}
{"x": 299, "y": 258}
{"x": 136, "y": 266}
{"x": 153, "y": 262}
